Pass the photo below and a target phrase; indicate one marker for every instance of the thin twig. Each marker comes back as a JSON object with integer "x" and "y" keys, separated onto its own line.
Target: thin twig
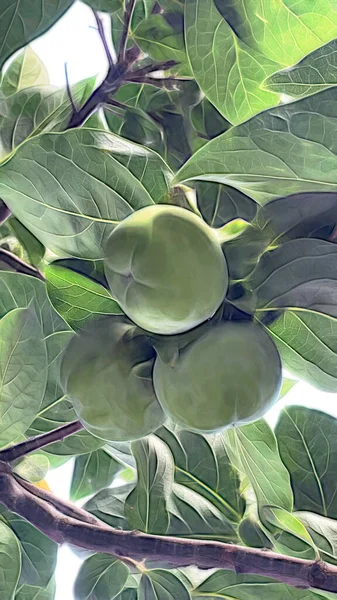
{"x": 70, "y": 96}
{"x": 39, "y": 441}
{"x": 126, "y": 30}
{"x": 178, "y": 552}
{"x": 102, "y": 35}
{"x": 66, "y": 508}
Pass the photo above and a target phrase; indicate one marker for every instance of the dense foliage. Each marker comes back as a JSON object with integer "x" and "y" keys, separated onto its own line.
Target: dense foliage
{"x": 221, "y": 117}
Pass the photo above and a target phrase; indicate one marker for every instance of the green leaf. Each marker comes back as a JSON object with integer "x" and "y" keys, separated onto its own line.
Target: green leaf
{"x": 232, "y": 586}
{"x": 101, "y": 577}
{"x": 23, "y": 371}
{"x": 282, "y": 151}
{"x": 146, "y": 506}
{"x": 324, "y": 533}
{"x": 207, "y": 120}
{"x": 78, "y": 299}
{"x": 253, "y": 449}
{"x": 192, "y": 516}
{"x": 34, "y": 249}
{"x": 29, "y": 592}
{"x": 202, "y": 464}
{"x": 74, "y": 187}
{"x": 298, "y": 274}
{"x": 22, "y": 22}
{"x": 314, "y": 73}
{"x": 159, "y": 584}
{"x": 287, "y": 385}
{"x": 92, "y": 472}
{"x": 34, "y": 110}
{"x": 220, "y": 204}
{"x": 24, "y": 71}
{"x": 233, "y": 47}
{"x": 10, "y": 562}
{"x": 90, "y": 268}
{"x": 287, "y": 522}
{"x": 156, "y": 37}
{"x": 228, "y": 71}
{"x": 39, "y": 553}
{"x": 108, "y": 505}
{"x": 33, "y": 467}
{"x": 306, "y": 341}
{"x": 109, "y": 6}
{"x": 307, "y": 441}
{"x": 299, "y": 277}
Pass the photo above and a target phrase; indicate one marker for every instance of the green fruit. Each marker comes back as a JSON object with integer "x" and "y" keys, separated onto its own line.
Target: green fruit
{"x": 107, "y": 372}
{"x": 229, "y": 376}
{"x": 166, "y": 269}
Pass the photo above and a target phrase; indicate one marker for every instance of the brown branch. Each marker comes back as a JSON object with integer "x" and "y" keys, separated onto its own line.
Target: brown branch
{"x": 66, "y": 508}
{"x": 104, "y": 40}
{"x": 126, "y": 30}
{"x": 39, "y": 441}
{"x": 178, "y": 552}
{"x": 17, "y": 264}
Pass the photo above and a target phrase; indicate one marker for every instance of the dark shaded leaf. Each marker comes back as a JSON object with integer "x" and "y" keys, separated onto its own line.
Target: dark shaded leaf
{"x": 220, "y": 204}
{"x": 159, "y": 584}
{"x": 101, "y": 577}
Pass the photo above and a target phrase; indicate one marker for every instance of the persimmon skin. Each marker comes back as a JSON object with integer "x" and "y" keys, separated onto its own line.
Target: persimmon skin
{"x": 166, "y": 268}
{"x": 107, "y": 373}
{"x": 231, "y": 375}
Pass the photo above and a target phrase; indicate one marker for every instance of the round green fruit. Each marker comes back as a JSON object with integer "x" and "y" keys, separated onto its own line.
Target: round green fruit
{"x": 107, "y": 372}
{"x": 231, "y": 375}
{"x": 166, "y": 268}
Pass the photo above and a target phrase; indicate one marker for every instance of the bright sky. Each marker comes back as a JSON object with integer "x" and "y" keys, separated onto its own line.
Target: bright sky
{"x": 75, "y": 41}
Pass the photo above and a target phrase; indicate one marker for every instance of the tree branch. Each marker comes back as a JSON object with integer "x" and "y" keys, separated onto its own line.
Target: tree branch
{"x": 178, "y": 552}
{"x": 163, "y": 66}
{"x": 126, "y": 30}
{"x": 39, "y": 441}
{"x": 66, "y": 508}
{"x": 70, "y": 96}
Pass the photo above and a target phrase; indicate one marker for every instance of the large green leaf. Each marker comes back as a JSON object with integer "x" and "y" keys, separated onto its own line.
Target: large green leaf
{"x": 227, "y": 69}
{"x": 220, "y": 204}
{"x": 24, "y": 71}
{"x": 10, "y": 562}
{"x": 29, "y": 592}
{"x": 232, "y": 586}
{"x": 282, "y": 151}
{"x": 307, "y": 441}
{"x": 146, "y": 506}
{"x": 108, "y": 505}
{"x": 299, "y": 277}
{"x": 234, "y": 46}
{"x": 324, "y": 533}
{"x": 70, "y": 189}
{"x": 23, "y": 21}
{"x": 202, "y": 464}
{"x": 33, "y": 467}
{"x": 31, "y": 111}
{"x": 23, "y": 371}
{"x": 301, "y": 273}
{"x": 313, "y": 73}
{"x": 78, "y": 298}
{"x": 38, "y": 552}
{"x": 192, "y": 516}
{"x": 156, "y": 37}
{"x": 101, "y": 577}
{"x": 31, "y": 245}
{"x": 92, "y": 472}
{"x": 253, "y": 449}
{"x": 307, "y": 344}
{"x": 158, "y": 584}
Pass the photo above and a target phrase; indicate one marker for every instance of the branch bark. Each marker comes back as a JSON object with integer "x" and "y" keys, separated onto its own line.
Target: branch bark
{"x": 39, "y": 441}
{"x": 18, "y": 265}
{"x": 178, "y": 552}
